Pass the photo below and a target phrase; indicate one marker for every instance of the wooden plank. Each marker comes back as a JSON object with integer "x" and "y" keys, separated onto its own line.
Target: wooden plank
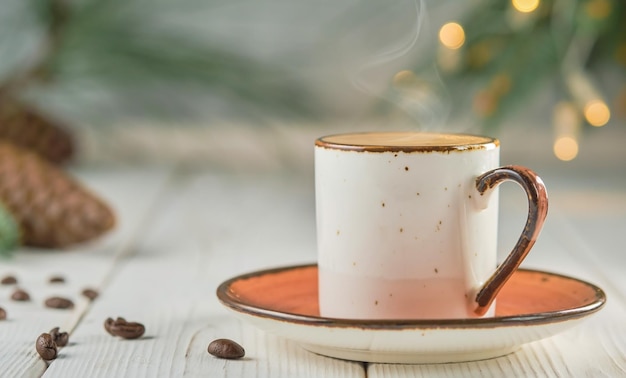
{"x": 211, "y": 227}
{"x": 131, "y": 194}
{"x": 208, "y": 229}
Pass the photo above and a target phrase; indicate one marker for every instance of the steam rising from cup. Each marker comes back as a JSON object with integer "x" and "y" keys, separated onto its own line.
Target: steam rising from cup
{"x": 422, "y": 98}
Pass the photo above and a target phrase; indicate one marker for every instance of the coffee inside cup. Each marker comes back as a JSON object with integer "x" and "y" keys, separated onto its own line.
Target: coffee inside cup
{"x": 405, "y": 141}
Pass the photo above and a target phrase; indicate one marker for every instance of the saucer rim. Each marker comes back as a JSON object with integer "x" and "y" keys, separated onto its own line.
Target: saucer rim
{"x": 238, "y": 305}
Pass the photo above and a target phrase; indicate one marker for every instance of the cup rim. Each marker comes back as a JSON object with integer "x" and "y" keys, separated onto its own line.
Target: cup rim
{"x": 341, "y": 142}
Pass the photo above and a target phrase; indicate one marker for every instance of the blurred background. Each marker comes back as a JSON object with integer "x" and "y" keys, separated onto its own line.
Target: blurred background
{"x": 249, "y": 85}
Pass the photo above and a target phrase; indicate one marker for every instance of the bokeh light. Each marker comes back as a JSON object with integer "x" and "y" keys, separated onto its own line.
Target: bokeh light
{"x": 566, "y": 148}
{"x": 597, "y": 113}
{"x": 452, "y": 35}
{"x": 525, "y": 6}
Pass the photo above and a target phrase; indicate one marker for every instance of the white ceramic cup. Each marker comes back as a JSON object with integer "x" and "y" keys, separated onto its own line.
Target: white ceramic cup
{"x": 407, "y": 224}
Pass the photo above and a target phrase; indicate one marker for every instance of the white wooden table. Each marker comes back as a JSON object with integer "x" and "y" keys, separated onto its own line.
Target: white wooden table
{"x": 182, "y": 233}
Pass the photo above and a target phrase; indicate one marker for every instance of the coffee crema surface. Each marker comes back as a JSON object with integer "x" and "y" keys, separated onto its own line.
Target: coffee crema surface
{"x": 406, "y": 141}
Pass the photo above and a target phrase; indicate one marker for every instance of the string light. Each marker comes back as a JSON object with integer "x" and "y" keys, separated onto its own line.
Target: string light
{"x": 597, "y": 113}
{"x": 525, "y": 6}
{"x": 566, "y": 148}
{"x": 566, "y": 120}
{"x": 452, "y": 35}
{"x": 588, "y": 98}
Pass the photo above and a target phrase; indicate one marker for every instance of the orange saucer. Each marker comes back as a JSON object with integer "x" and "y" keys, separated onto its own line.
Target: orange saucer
{"x": 531, "y": 306}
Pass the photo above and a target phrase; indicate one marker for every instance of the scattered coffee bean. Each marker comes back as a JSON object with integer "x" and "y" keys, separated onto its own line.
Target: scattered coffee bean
{"x": 56, "y": 279}
{"x": 46, "y": 347}
{"x": 90, "y": 293}
{"x": 107, "y": 325}
{"x": 8, "y": 280}
{"x": 59, "y": 302}
{"x": 126, "y": 330}
{"x": 20, "y": 296}
{"x": 225, "y": 348}
{"x": 60, "y": 338}
{"x": 109, "y": 322}
{"x": 3, "y": 314}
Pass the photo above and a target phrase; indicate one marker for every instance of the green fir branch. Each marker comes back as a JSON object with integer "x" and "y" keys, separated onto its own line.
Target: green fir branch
{"x": 125, "y": 49}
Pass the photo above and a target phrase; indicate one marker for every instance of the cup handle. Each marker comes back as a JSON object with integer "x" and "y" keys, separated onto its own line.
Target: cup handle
{"x": 537, "y": 211}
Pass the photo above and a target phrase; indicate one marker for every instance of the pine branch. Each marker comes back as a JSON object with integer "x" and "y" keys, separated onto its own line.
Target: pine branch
{"x": 122, "y": 48}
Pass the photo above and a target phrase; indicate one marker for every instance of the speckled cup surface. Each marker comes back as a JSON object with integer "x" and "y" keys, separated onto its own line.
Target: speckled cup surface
{"x": 403, "y": 229}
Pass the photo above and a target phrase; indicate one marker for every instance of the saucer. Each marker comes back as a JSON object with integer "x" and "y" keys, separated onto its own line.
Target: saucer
{"x": 532, "y": 305}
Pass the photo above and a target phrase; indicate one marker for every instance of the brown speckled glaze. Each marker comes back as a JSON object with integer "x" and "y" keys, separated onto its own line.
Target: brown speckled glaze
{"x": 537, "y": 212}
{"x": 530, "y": 297}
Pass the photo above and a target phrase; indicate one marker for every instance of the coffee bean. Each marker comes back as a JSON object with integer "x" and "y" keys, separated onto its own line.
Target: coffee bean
{"x": 225, "y": 348}
{"x": 128, "y": 330}
{"x": 124, "y": 329}
{"x": 20, "y": 296}
{"x": 107, "y": 325}
{"x": 46, "y": 347}
{"x": 90, "y": 293}
{"x": 59, "y": 302}
{"x": 60, "y": 338}
{"x": 8, "y": 280}
{"x": 3, "y": 314}
{"x": 56, "y": 279}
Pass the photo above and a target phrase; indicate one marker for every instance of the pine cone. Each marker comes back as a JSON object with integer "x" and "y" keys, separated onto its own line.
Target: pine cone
{"x": 51, "y": 209}
{"x": 26, "y": 128}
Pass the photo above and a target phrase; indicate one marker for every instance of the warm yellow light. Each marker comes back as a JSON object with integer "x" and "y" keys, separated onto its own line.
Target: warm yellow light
{"x": 565, "y": 148}
{"x": 525, "y": 6}
{"x": 597, "y": 113}
{"x": 452, "y": 35}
